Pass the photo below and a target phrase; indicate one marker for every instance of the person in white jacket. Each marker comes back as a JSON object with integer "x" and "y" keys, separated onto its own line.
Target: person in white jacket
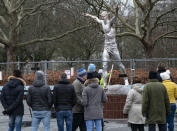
{"x": 133, "y": 107}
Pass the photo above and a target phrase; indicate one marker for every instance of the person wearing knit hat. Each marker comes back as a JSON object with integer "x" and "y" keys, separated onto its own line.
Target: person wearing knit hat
{"x": 155, "y": 103}
{"x": 165, "y": 75}
{"x": 91, "y": 67}
{"x": 81, "y": 72}
{"x": 78, "y": 109}
{"x": 172, "y": 94}
{"x": 162, "y": 67}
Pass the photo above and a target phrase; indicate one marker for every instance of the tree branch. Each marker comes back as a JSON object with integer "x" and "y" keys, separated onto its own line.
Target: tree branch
{"x": 6, "y": 4}
{"x": 137, "y": 19}
{"x": 140, "y": 5}
{"x": 166, "y": 22}
{"x": 155, "y": 1}
{"x": 52, "y": 38}
{"x": 19, "y": 6}
{"x": 120, "y": 18}
{"x": 33, "y": 11}
{"x": 129, "y": 34}
{"x": 160, "y": 16}
{"x": 171, "y": 37}
{"x": 3, "y": 20}
{"x": 89, "y": 3}
{"x": 3, "y": 42}
{"x": 163, "y": 35}
{"x": 100, "y": 7}
{"x": 3, "y": 35}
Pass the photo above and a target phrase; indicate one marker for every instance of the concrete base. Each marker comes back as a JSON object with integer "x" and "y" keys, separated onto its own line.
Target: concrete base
{"x": 118, "y": 89}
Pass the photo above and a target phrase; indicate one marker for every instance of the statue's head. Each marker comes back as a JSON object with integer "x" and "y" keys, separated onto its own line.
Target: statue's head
{"x": 105, "y": 15}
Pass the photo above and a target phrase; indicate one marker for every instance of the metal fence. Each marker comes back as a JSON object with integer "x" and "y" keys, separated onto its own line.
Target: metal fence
{"x": 134, "y": 68}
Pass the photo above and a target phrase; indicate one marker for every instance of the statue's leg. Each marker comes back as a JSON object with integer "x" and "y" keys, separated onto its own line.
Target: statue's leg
{"x": 105, "y": 58}
{"x": 116, "y": 56}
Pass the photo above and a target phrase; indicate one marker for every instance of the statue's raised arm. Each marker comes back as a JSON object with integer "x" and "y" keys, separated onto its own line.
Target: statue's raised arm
{"x": 94, "y": 17}
{"x": 113, "y": 20}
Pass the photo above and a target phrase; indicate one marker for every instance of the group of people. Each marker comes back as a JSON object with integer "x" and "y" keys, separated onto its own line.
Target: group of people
{"x": 79, "y": 104}
{"x": 153, "y": 104}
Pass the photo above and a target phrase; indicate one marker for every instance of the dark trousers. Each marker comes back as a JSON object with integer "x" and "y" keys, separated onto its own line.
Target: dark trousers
{"x": 102, "y": 124}
{"x": 137, "y": 127}
{"x": 152, "y": 127}
{"x": 78, "y": 121}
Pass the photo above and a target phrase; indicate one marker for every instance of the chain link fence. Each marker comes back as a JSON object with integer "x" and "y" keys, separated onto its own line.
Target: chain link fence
{"x": 135, "y": 68}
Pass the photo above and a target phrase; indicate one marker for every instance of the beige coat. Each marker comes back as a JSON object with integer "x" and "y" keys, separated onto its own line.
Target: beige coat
{"x": 133, "y": 105}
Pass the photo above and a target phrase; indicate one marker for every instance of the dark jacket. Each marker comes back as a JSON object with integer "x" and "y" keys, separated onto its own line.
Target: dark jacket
{"x": 12, "y": 96}
{"x": 155, "y": 104}
{"x": 93, "y": 98}
{"x": 64, "y": 96}
{"x": 39, "y": 96}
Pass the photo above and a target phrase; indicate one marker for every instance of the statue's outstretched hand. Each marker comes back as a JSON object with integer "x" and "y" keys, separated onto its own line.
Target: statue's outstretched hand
{"x": 86, "y": 14}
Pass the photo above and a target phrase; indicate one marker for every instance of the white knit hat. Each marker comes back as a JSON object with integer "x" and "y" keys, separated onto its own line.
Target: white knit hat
{"x": 100, "y": 71}
{"x": 165, "y": 75}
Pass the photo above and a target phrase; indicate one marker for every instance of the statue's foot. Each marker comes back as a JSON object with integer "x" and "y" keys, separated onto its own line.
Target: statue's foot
{"x": 126, "y": 82}
{"x": 105, "y": 88}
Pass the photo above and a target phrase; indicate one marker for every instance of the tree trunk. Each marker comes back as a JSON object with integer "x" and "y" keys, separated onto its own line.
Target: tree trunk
{"x": 148, "y": 51}
{"x": 148, "y": 47}
{"x": 11, "y": 57}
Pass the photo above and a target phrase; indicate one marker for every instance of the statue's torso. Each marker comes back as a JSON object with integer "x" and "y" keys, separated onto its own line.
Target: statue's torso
{"x": 110, "y": 41}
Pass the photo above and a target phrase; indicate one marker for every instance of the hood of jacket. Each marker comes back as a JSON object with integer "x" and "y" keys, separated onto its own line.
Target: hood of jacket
{"x": 94, "y": 82}
{"x": 39, "y": 80}
{"x": 161, "y": 70}
{"x": 64, "y": 81}
{"x": 80, "y": 79}
{"x": 14, "y": 81}
{"x": 138, "y": 87}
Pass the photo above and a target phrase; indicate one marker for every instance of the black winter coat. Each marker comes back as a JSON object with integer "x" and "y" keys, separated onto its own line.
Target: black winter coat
{"x": 64, "y": 95}
{"x": 39, "y": 96}
{"x": 12, "y": 96}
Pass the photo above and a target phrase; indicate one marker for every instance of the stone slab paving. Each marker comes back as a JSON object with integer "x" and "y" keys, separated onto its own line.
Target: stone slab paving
{"x": 110, "y": 125}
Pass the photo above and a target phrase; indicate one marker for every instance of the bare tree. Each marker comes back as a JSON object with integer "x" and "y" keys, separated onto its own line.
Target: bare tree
{"x": 146, "y": 27}
{"x": 14, "y": 14}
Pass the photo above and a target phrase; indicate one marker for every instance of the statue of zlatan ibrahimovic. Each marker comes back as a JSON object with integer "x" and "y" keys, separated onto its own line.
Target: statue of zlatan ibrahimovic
{"x": 110, "y": 45}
